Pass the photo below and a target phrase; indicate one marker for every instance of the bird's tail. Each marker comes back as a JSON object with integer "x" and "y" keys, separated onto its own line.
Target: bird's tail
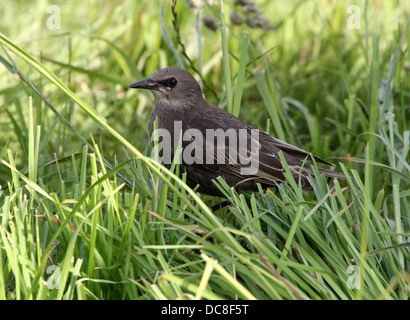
{"x": 332, "y": 174}
{"x": 302, "y": 173}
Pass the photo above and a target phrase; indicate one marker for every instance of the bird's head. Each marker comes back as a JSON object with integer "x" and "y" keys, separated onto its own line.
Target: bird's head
{"x": 172, "y": 86}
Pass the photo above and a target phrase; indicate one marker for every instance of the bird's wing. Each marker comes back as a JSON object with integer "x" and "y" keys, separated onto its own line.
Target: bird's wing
{"x": 253, "y": 156}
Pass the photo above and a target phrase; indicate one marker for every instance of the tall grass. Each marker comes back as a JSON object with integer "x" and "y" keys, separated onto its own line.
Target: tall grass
{"x": 87, "y": 214}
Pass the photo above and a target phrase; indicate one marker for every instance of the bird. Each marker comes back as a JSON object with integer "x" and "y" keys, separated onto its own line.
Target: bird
{"x": 180, "y": 105}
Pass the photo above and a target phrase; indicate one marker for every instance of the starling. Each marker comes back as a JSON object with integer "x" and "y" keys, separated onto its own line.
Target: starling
{"x": 180, "y": 105}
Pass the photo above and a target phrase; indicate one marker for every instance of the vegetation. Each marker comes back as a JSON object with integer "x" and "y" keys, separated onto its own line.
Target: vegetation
{"x": 85, "y": 213}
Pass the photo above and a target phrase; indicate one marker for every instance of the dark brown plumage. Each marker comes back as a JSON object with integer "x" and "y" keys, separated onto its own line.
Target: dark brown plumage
{"x": 179, "y": 98}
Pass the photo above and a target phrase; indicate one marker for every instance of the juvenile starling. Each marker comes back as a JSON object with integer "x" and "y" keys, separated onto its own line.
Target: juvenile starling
{"x": 180, "y": 105}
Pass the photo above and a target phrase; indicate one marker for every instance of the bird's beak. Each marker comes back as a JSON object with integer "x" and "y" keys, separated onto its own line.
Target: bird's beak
{"x": 146, "y": 84}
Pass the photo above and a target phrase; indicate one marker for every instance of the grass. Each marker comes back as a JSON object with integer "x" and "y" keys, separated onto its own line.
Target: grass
{"x": 85, "y": 213}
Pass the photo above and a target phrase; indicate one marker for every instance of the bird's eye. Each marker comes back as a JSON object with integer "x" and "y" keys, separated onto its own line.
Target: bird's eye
{"x": 172, "y": 82}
